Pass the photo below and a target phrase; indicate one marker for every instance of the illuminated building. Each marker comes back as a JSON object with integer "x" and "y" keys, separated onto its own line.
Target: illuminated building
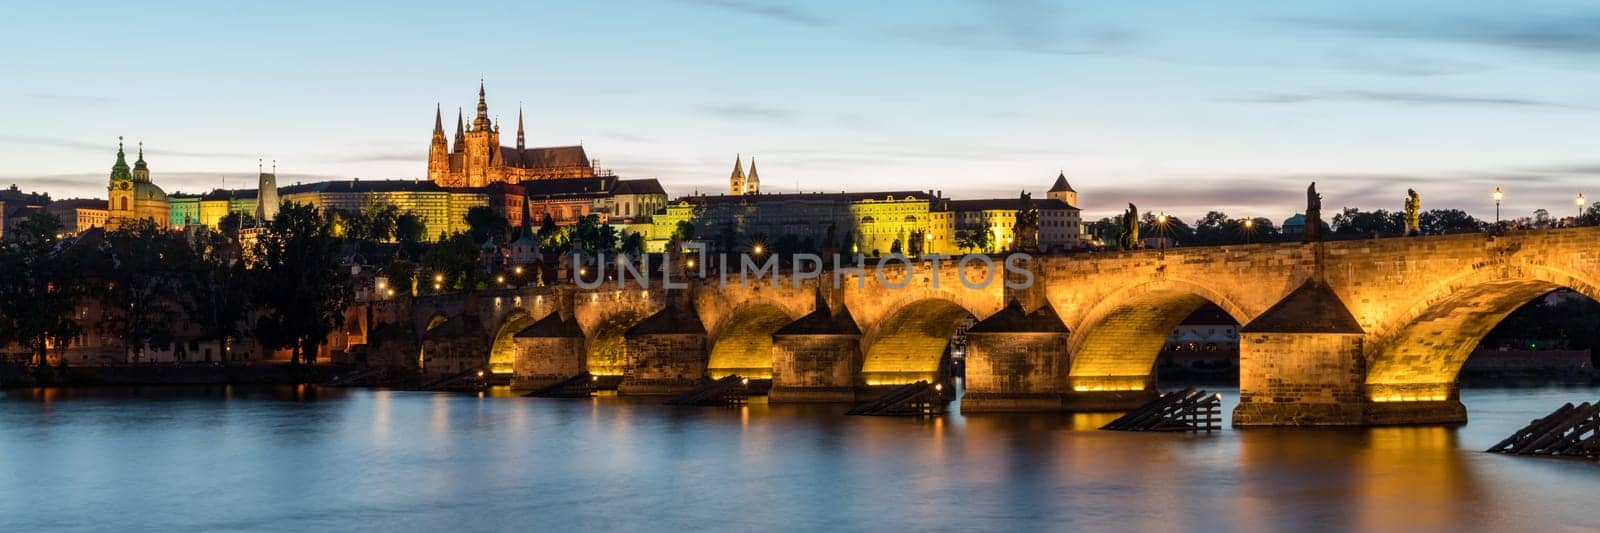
{"x": 442, "y": 211}
{"x": 132, "y": 195}
{"x": 615, "y": 200}
{"x": 79, "y": 214}
{"x": 867, "y": 221}
{"x": 477, "y": 159}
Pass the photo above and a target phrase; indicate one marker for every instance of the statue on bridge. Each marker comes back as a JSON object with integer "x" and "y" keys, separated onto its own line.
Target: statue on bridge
{"x": 1413, "y": 213}
{"x": 1025, "y": 231}
{"x": 1128, "y": 239}
{"x": 1313, "y": 214}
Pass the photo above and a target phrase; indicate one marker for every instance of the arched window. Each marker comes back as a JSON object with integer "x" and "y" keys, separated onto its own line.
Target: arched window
{"x": 122, "y": 203}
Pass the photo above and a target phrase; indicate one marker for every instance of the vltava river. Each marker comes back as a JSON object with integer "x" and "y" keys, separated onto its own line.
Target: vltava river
{"x": 304, "y": 459}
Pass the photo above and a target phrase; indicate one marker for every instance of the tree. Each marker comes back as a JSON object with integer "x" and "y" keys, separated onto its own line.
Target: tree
{"x": 1174, "y": 229}
{"x": 379, "y": 221}
{"x": 484, "y": 225}
{"x": 915, "y": 240}
{"x": 1443, "y": 221}
{"x": 233, "y": 222}
{"x": 301, "y": 282}
{"x": 41, "y": 286}
{"x": 1354, "y": 222}
{"x": 1591, "y": 217}
{"x": 1216, "y": 228}
{"x": 1105, "y": 230}
{"x": 684, "y": 231}
{"x": 408, "y": 228}
{"x": 141, "y": 282}
{"x": 453, "y": 263}
{"x": 633, "y": 245}
{"x": 592, "y": 237}
{"x": 975, "y": 239}
{"x": 216, "y": 291}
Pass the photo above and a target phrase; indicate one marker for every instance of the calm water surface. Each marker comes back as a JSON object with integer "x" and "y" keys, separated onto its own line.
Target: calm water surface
{"x": 162, "y": 459}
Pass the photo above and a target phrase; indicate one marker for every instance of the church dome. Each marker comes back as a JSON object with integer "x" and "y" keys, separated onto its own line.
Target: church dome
{"x": 144, "y": 191}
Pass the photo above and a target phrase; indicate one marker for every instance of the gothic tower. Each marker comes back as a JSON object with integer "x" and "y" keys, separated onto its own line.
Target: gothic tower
{"x": 439, "y": 150}
{"x": 483, "y": 147}
{"x": 736, "y": 180}
{"x": 752, "y": 184}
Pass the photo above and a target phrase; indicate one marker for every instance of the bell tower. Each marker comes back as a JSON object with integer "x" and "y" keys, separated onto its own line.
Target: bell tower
{"x": 438, "y": 151}
{"x": 120, "y": 191}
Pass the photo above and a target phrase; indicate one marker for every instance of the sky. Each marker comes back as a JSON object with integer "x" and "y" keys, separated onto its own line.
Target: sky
{"x": 1181, "y": 107}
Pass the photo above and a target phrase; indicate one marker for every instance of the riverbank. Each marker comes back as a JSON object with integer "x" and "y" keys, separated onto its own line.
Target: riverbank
{"x": 13, "y": 375}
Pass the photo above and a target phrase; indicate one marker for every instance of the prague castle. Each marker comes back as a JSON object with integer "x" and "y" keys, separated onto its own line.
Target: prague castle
{"x": 476, "y": 159}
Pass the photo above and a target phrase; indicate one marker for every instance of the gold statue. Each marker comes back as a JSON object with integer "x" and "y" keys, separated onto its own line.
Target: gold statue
{"x": 1413, "y": 213}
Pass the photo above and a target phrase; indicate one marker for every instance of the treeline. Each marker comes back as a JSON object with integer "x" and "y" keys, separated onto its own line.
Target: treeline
{"x": 148, "y": 284}
{"x": 1218, "y": 228}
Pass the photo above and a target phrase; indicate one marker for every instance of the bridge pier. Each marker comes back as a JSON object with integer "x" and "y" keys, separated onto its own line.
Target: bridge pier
{"x": 666, "y": 354}
{"x": 815, "y": 358}
{"x": 1015, "y": 361}
{"x": 547, "y": 352}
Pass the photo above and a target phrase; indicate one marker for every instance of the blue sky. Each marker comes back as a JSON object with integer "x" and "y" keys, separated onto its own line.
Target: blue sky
{"x": 1177, "y": 106}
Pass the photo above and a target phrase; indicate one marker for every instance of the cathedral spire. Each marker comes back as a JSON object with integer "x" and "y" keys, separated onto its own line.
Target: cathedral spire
{"x": 752, "y": 184}
{"x": 736, "y": 179}
{"x": 461, "y": 135}
{"x": 438, "y": 120}
{"x": 519, "y": 129}
{"x": 482, "y": 121}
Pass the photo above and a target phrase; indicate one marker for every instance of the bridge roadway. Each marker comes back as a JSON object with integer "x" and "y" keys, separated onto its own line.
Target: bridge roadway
{"x": 1358, "y": 332}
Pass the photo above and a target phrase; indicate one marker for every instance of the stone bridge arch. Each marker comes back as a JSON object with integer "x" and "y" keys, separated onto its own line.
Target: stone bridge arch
{"x": 1418, "y": 356}
{"x": 741, "y": 338}
{"x": 906, "y": 344}
{"x": 605, "y": 315}
{"x": 1114, "y": 343}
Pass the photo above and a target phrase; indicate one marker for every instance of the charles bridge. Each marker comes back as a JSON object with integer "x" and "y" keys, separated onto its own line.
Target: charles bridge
{"x": 1358, "y": 332}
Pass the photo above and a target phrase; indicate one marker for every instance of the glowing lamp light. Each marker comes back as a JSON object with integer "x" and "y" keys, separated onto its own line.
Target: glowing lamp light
{"x": 500, "y": 279}
{"x": 438, "y": 278}
{"x": 689, "y": 263}
{"x": 938, "y": 386}
{"x": 1499, "y": 195}
{"x": 382, "y": 285}
{"x": 757, "y": 249}
{"x": 518, "y": 270}
{"x": 745, "y": 381}
{"x": 437, "y": 286}
{"x": 480, "y": 373}
{"x": 1248, "y": 223}
{"x": 594, "y": 378}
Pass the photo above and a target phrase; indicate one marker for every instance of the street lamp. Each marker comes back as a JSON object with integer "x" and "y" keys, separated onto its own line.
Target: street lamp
{"x": 1249, "y": 227}
{"x": 1161, "y": 232}
{"x": 1580, "y": 200}
{"x": 1498, "y": 197}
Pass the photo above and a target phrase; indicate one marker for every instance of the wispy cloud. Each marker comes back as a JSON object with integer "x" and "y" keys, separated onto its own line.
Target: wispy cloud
{"x": 1399, "y": 98}
{"x": 1577, "y": 33}
{"x": 749, "y": 112}
{"x": 107, "y": 147}
{"x": 1032, "y": 26}
{"x": 768, "y": 10}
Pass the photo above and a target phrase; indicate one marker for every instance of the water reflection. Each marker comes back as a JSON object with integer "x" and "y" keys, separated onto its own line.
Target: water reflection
{"x": 329, "y": 459}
